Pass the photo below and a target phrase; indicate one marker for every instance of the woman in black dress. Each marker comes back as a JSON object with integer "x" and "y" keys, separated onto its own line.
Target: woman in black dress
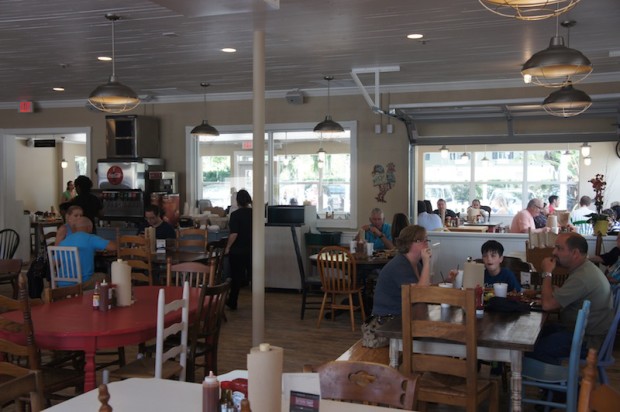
{"x": 239, "y": 246}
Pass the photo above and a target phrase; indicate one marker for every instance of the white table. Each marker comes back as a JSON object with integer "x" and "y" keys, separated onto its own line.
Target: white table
{"x": 161, "y": 395}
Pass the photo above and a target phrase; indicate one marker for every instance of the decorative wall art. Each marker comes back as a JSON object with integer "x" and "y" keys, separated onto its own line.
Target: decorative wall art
{"x": 383, "y": 178}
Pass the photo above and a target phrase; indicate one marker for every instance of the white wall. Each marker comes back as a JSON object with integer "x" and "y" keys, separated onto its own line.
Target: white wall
{"x": 36, "y": 176}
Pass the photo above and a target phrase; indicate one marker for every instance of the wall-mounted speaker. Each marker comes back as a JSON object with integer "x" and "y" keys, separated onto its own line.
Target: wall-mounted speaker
{"x": 295, "y": 97}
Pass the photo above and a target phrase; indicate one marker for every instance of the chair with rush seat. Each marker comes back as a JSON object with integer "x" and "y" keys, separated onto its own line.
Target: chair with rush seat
{"x": 163, "y": 366}
{"x": 558, "y": 378}
{"x": 24, "y": 382}
{"x": 445, "y": 379}
{"x": 338, "y": 279}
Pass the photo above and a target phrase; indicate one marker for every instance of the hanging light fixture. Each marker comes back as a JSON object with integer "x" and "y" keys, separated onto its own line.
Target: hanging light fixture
{"x": 113, "y": 97}
{"x": 557, "y": 65}
{"x": 465, "y": 156}
{"x": 529, "y": 9}
{"x": 585, "y": 149}
{"x": 204, "y": 128}
{"x": 567, "y": 102}
{"x": 64, "y": 164}
{"x": 587, "y": 160}
{"x": 485, "y": 160}
{"x": 328, "y": 127}
{"x": 444, "y": 152}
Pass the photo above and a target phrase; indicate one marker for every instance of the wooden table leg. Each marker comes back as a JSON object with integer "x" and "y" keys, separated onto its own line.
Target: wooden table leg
{"x": 515, "y": 380}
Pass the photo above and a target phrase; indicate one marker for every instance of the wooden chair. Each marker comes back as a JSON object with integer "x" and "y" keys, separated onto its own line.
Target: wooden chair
{"x": 196, "y": 273}
{"x": 25, "y": 382}
{"x": 9, "y": 242}
{"x": 563, "y": 379}
{"x": 311, "y": 294}
{"x": 535, "y": 255}
{"x": 135, "y": 251}
{"x": 55, "y": 379}
{"x": 64, "y": 265}
{"x": 593, "y": 397}
{"x": 192, "y": 240}
{"x": 368, "y": 383}
{"x": 205, "y": 332}
{"x": 445, "y": 379}
{"x": 9, "y": 271}
{"x": 606, "y": 352}
{"x": 163, "y": 366}
{"x": 52, "y": 295}
{"x": 338, "y": 279}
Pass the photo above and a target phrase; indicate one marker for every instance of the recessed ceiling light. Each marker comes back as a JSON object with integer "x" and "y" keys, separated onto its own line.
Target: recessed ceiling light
{"x": 58, "y": 89}
{"x": 104, "y": 58}
{"x": 229, "y": 50}
{"x": 415, "y": 36}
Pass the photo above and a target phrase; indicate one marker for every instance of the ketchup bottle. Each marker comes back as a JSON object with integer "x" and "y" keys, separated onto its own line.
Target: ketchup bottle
{"x": 479, "y": 301}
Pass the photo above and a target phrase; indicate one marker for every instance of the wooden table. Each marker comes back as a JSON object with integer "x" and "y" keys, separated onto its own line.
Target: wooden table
{"x": 489, "y": 227}
{"x": 163, "y": 395}
{"x": 72, "y": 324}
{"x": 502, "y": 337}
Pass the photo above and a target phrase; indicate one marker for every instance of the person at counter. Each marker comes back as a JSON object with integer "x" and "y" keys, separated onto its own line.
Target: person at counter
{"x": 585, "y": 281}
{"x": 428, "y": 221}
{"x": 239, "y": 246}
{"x": 71, "y": 217}
{"x": 612, "y": 260}
{"x": 443, "y": 208}
{"x": 377, "y": 232}
{"x": 524, "y": 220}
{"x": 87, "y": 245}
{"x": 69, "y": 193}
{"x": 410, "y": 265}
{"x": 90, "y": 204}
{"x": 163, "y": 230}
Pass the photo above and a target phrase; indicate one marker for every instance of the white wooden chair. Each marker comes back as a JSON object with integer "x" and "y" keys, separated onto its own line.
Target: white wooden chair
{"x": 65, "y": 265}
{"x": 163, "y": 365}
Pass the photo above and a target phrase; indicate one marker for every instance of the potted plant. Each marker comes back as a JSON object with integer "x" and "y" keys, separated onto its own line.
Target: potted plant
{"x": 598, "y": 220}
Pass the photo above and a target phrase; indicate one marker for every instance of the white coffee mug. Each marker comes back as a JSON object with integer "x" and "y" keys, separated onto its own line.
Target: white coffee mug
{"x": 500, "y": 289}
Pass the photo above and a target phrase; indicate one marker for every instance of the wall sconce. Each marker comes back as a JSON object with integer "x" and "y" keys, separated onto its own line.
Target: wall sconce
{"x": 64, "y": 164}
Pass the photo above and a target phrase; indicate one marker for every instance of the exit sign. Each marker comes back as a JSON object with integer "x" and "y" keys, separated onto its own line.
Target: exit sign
{"x": 25, "y": 107}
{"x": 246, "y": 145}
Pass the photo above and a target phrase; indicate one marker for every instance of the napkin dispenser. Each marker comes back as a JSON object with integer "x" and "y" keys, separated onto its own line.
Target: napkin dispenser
{"x": 473, "y": 275}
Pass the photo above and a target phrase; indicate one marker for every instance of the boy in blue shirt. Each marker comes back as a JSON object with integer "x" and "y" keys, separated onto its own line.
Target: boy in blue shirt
{"x": 493, "y": 256}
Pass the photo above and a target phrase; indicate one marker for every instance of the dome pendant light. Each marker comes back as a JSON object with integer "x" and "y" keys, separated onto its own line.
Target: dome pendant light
{"x": 444, "y": 152}
{"x": 529, "y": 9}
{"x": 585, "y": 149}
{"x": 113, "y": 97}
{"x": 328, "y": 127}
{"x": 64, "y": 163}
{"x": 567, "y": 102}
{"x": 557, "y": 64}
{"x": 205, "y": 129}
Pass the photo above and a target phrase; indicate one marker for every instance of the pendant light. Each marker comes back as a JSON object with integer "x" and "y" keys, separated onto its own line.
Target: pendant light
{"x": 321, "y": 154}
{"x": 485, "y": 160}
{"x": 529, "y": 9}
{"x": 465, "y": 156}
{"x": 205, "y": 129}
{"x": 587, "y": 160}
{"x": 113, "y": 96}
{"x": 328, "y": 127}
{"x": 557, "y": 65}
{"x": 444, "y": 152}
{"x": 64, "y": 163}
{"x": 585, "y": 149}
{"x": 567, "y": 102}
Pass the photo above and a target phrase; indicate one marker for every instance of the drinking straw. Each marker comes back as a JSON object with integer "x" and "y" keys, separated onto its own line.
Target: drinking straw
{"x": 442, "y": 278}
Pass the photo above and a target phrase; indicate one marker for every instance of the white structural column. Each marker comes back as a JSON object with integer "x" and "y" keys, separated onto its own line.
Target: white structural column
{"x": 258, "y": 189}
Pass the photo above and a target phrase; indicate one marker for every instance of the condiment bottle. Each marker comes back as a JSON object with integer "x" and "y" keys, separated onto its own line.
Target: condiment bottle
{"x": 104, "y": 297}
{"x": 96, "y": 295}
{"x": 210, "y": 393}
{"x": 479, "y": 301}
{"x": 245, "y": 406}
{"x": 226, "y": 403}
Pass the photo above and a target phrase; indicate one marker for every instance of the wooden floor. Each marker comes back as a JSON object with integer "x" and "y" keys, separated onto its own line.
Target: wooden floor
{"x": 302, "y": 341}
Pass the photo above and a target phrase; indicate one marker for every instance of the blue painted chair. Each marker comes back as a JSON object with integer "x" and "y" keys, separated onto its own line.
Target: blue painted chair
{"x": 556, "y": 378}
{"x": 605, "y": 354}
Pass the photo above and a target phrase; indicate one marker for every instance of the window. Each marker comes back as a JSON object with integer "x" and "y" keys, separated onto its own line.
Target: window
{"x": 507, "y": 183}
{"x": 294, "y": 173}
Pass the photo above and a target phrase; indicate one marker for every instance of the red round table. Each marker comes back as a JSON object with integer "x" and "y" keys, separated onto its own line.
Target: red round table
{"x": 72, "y": 324}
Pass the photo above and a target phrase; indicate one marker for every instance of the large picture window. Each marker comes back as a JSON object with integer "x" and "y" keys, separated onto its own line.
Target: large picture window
{"x": 505, "y": 180}
{"x": 295, "y": 172}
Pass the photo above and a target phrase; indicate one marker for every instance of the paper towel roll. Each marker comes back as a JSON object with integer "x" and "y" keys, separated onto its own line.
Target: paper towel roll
{"x": 265, "y": 378}
{"x": 121, "y": 277}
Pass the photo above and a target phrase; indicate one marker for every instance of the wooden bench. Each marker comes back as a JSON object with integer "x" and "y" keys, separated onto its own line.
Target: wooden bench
{"x": 357, "y": 352}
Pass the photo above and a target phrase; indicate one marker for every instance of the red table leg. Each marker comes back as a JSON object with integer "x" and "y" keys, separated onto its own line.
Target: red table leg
{"x": 90, "y": 378}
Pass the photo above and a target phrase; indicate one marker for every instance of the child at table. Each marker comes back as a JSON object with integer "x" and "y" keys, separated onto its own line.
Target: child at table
{"x": 492, "y": 257}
